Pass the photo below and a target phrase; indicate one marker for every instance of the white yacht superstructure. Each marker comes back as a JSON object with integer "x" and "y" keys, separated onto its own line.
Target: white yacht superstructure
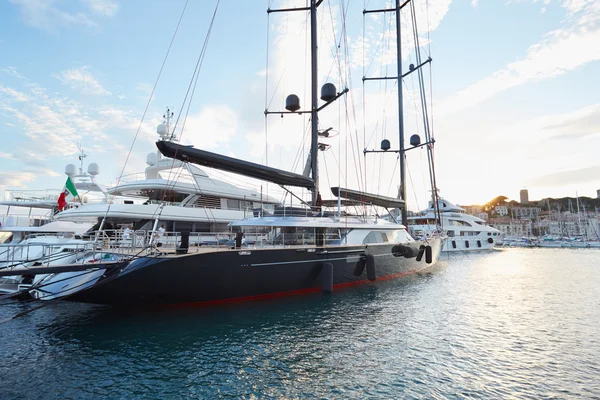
{"x": 465, "y": 232}
{"x": 180, "y": 195}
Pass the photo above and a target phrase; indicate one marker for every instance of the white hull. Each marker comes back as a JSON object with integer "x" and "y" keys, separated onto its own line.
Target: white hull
{"x": 465, "y": 232}
{"x": 471, "y": 243}
{"x": 150, "y": 211}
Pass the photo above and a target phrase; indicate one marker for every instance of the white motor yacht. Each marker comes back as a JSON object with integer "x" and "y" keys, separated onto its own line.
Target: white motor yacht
{"x": 181, "y": 195}
{"x": 465, "y": 232}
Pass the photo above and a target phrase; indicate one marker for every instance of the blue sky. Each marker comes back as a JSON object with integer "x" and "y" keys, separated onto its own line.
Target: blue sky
{"x": 515, "y": 90}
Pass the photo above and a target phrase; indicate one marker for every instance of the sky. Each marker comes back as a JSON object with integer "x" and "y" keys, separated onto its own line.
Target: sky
{"x": 512, "y": 91}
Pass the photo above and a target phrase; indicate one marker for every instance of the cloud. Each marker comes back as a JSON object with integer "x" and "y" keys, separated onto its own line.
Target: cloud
{"x": 6, "y": 155}
{"x": 16, "y": 179}
{"x": 570, "y": 177}
{"x": 286, "y": 141}
{"x": 50, "y": 15}
{"x": 212, "y": 128}
{"x": 16, "y": 95}
{"x": 580, "y": 124}
{"x": 144, "y": 87}
{"x": 106, "y": 8}
{"x": 378, "y": 49}
{"x": 504, "y": 156}
{"x": 559, "y": 52}
{"x": 82, "y": 80}
{"x": 52, "y": 125}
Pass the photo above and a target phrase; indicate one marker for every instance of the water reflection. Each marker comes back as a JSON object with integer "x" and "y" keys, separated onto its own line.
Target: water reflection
{"x": 498, "y": 324}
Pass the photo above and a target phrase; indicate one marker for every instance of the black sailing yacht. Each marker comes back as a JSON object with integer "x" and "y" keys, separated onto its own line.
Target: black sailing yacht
{"x": 290, "y": 251}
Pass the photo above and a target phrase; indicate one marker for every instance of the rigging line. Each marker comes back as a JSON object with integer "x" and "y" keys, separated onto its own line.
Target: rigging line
{"x": 267, "y": 59}
{"x": 196, "y": 71}
{"x": 355, "y": 151}
{"x": 347, "y": 119}
{"x": 326, "y": 170}
{"x": 335, "y": 62}
{"x": 337, "y": 161}
{"x": 364, "y": 96}
{"x": 385, "y": 104}
{"x": 298, "y": 156}
{"x": 266, "y": 122}
{"x": 172, "y": 182}
{"x": 412, "y": 184}
{"x": 148, "y": 104}
{"x": 426, "y": 120}
{"x": 428, "y": 27}
{"x": 414, "y": 102}
{"x": 194, "y": 80}
{"x": 392, "y": 178}
{"x": 384, "y": 125}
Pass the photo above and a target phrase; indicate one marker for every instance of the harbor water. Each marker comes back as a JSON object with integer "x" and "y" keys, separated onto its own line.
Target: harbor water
{"x": 509, "y": 323}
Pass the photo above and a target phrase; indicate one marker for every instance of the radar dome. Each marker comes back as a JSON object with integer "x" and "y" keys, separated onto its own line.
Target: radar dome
{"x": 151, "y": 159}
{"x": 93, "y": 169}
{"x": 162, "y": 130}
{"x": 71, "y": 169}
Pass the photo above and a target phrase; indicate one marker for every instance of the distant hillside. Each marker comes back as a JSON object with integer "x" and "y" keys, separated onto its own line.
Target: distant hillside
{"x": 590, "y": 204}
{"x": 565, "y": 203}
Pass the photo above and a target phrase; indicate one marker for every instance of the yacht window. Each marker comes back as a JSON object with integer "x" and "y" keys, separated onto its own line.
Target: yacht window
{"x": 460, "y": 223}
{"x": 233, "y": 204}
{"x": 467, "y": 244}
{"x": 490, "y": 233}
{"x": 479, "y": 243}
{"x": 375, "y": 237}
{"x": 454, "y": 244}
{"x": 450, "y": 233}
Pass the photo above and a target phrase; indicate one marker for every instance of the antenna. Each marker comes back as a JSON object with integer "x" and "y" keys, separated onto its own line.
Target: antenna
{"x": 82, "y": 155}
{"x": 164, "y": 129}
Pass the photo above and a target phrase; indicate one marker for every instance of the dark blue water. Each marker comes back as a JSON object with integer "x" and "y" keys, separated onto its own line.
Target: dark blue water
{"x": 516, "y": 323}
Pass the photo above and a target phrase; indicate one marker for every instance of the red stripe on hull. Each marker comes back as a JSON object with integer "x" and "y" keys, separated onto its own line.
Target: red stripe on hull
{"x": 287, "y": 293}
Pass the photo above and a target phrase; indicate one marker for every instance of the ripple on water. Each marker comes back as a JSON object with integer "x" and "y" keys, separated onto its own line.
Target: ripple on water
{"x": 504, "y": 324}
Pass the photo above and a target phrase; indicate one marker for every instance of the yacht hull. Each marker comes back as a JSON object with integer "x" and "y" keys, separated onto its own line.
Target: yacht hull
{"x": 468, "y": 243}
{"x": 246, "y": 274}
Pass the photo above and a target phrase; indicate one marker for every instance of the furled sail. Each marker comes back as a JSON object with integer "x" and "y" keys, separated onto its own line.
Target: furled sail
{"x": 230, "y": 164}
{"x": 367, "y": 198}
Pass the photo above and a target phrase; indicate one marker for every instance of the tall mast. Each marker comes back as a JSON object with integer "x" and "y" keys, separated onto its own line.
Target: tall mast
{"x": 314, "y": 102}
{"x": 328, "y": 94}
{"x": 400, "y": 115}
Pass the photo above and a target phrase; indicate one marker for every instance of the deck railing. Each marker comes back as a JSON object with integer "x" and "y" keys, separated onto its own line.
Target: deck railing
{"x": 48, "y": 249}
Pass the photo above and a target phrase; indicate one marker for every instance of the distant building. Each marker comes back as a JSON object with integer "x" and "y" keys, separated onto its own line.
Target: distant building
{"x": 524, "y": 194}
{"x": 473, "y": 210}
{"x": 512, "y": 226}
{"x": 501, "y": 210}
{"x": 598, "y": 193}
{"x": 483, "y": 215}
{"x": 525, "y": 212}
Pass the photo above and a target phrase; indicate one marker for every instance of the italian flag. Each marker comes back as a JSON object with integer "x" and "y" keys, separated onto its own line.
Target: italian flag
{"x": 69, "y": 189}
